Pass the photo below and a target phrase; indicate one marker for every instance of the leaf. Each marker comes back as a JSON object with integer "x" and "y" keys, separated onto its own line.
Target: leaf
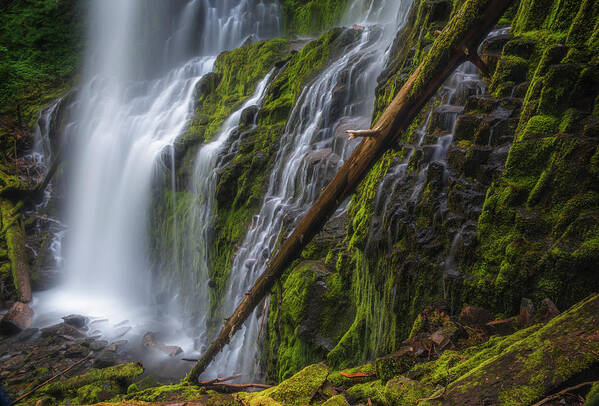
{"x": 357, "y": 374}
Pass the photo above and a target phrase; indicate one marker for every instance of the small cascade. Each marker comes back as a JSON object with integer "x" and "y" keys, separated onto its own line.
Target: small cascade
{"x": 192, "y": 287}
{"x": 311, "y": 149}
{"x": 400, "y": 190}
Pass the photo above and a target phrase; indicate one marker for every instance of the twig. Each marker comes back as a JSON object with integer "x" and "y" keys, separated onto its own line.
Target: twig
{"x": 51, "y": 379}
{"x": 563, "y": 392}
{"x": 190, "y": 359}
{"x": 217, "y": 380}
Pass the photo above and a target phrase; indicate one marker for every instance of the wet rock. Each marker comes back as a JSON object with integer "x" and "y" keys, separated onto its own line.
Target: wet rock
{"x": 27, "y": 334}
{"x": 17, "y": 319}
{"x": 527, "y": 312}
{"x": 492, "y": 48}
{"x": 475, "y": 316}
{"x": 98, "y": 345}
{"x": 105, "y": 359}
{"x": 76, "y": 320}
{"x": 212, "y": 284}
{"x": 467, "y": 127}
{"x": 76, "y": 351}
{"x": 248, "y": 115}
{"x": 443, "y": 117}
{"x": 428, "y": 152}
{"x": 480, "y": 104}
{"x": 63, "y": 330}
{"x": 150, "y": 342}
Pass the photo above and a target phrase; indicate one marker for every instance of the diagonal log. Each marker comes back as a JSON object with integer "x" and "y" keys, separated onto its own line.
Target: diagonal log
{"x": 466, "y": 29}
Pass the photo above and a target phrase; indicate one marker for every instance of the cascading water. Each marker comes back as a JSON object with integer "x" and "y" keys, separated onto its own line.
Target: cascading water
{"x": 136, "y": 97}
{"x": 311, "y": 149}
{"x": 192, "y": 284}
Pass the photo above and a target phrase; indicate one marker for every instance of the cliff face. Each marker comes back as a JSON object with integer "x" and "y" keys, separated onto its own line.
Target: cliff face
{"x": 492, "y": 195}
{"x": 510, "y": 212}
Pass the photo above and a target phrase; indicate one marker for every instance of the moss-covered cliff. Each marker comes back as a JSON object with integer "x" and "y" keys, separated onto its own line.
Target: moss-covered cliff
{"x": 420, "y": 235}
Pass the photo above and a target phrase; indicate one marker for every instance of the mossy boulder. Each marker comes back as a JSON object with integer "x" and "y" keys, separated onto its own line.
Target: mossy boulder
{"x": 295, "y": 391}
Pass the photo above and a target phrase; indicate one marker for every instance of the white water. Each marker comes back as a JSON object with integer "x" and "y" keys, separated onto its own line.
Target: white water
{"x": 312, "y": 148}
{"x": 136, "y": 98}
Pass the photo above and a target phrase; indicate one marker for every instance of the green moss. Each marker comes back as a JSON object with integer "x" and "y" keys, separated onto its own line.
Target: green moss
{"x": 295, "y": 391}
{"x": 404, "y": 391}
{"x": 306, "y": 17}
{"x": 510, "y": 70}
{"x": 40, "y": 52}
{"x": 180, "y": 392}
{"x": 592, "y": 398}
{"x": 375, "y": 391}
{"x": 338, "y": 400}
{"x": 94, "y": 386}
{"x": 234, "y": 79}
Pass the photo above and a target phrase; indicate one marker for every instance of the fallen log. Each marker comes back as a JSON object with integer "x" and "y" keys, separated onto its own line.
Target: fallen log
{"x": 14, "y": 231}
{"x": 466, "y": 29}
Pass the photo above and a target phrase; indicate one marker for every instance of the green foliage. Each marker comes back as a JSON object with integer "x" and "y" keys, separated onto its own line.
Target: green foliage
{"x": 40, "y": 46}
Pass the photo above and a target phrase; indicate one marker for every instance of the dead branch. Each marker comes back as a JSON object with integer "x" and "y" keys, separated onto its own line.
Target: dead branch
{"x": 361, "y": 133}
{"x": 20, "y": 398}
{"x": 563, "y": 392}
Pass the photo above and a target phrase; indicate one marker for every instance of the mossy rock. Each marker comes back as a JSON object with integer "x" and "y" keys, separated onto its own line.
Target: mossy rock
{"x": 295, "y": 391}
{"x": 94, "y": 386}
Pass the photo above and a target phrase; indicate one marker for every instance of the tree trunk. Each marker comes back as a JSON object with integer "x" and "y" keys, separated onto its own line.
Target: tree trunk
{"x": 14, "y": 232}
{"x": 466, "y": 29}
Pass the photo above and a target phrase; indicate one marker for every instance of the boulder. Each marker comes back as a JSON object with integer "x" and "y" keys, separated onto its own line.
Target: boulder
{"x": 63, "y": 330}
{"x": 76, "y": 320}
{"x": 150, "y": 342}
{"x": 17, "y": 319}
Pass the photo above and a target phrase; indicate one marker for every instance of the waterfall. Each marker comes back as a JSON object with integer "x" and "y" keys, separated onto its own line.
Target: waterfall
{"x": 136, "y": 97}
{"x": 311, "y": 149}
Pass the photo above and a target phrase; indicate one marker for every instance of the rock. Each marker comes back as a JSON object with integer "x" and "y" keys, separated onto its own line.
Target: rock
{"x": 395, "y": 364}
{"x": 63, "y": 330}
{"x": 502, "y": 327}
{"x": 527, "y": 312}
{"x": 475, "y": 316}
{"x": 27, "y": 334}
{"x": 547, "y": 311}
{"x": 17, "y": 319}
{"x": 150, "y": 342}
{"x": 76, "y": 351}
{"x": 98, "y": 345}
{"x": 531, "y": 364}
{"x": 76, "y": 320}
{"x": 105, "y": 359}
{"x": 248, "y": 115}
{"x": 212, "y": 284}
